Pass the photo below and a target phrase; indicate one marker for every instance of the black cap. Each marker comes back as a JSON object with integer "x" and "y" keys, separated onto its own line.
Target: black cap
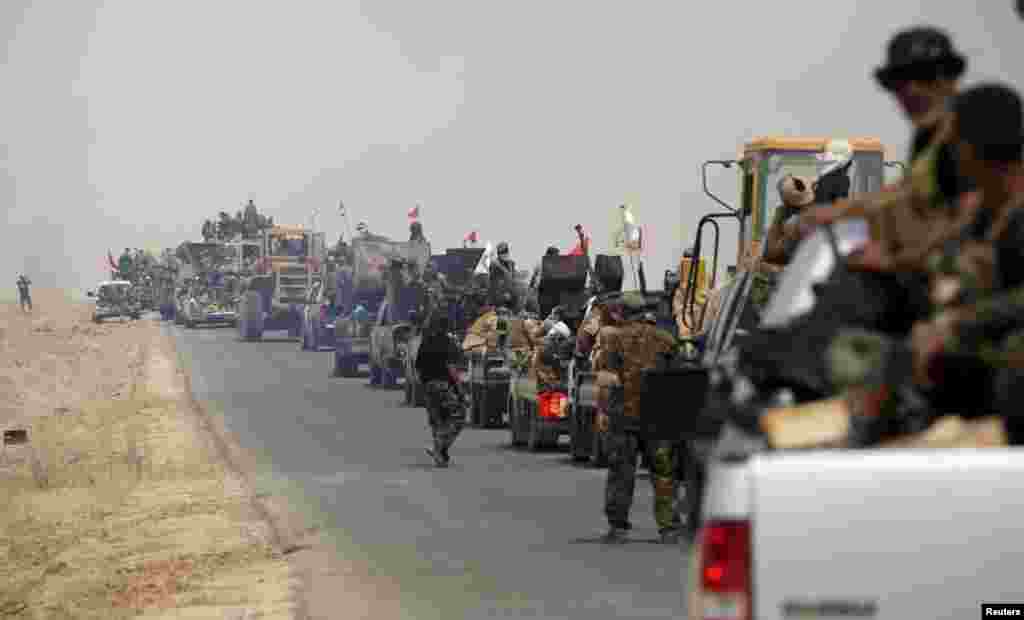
{"x": 990, "y": 117}
{"x": 920, "y": 53}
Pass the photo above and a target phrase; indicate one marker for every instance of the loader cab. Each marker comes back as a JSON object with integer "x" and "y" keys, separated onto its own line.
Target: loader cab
{"x": 767, "y": 160}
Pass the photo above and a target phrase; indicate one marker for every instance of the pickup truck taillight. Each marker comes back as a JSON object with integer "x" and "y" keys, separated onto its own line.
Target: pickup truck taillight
{"x": 726, "y": 591}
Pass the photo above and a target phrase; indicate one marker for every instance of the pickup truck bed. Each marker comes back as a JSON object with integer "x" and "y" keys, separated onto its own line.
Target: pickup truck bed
{"x": 885, "y": 534}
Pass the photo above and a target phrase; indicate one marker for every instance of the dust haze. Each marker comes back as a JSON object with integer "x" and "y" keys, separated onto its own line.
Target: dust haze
{"x": 127, "y": 123}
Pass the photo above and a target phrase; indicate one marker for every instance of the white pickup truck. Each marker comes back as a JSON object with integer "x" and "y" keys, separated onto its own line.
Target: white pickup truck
{"x": 887, "y": 534}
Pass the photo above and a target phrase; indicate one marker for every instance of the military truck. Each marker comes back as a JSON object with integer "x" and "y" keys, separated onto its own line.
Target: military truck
{"x": 211, "y": 301}
{"x": 537, "y": 419}
{"x": 394, "y": 322}
{"x": 114, "y": 299}
{"x": 272, "y": 300}
{"x": 360, "y": 295}
{"x": 456, "y": 265}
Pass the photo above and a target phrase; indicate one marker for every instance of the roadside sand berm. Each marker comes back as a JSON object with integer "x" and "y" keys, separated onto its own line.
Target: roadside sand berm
{"x": 119, "y": 503}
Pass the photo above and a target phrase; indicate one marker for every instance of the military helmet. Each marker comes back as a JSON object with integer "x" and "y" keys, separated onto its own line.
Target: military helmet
{"x": 503, "y": 248}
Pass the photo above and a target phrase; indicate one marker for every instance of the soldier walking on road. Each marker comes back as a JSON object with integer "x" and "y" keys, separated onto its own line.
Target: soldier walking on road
{"x": 627, "y": 350}
{"x": 435, "y": 364}
{"x": 24, "y": 294}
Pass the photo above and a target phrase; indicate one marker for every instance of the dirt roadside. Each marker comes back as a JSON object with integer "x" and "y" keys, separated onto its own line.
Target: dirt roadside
{"x": 121, "y": 501}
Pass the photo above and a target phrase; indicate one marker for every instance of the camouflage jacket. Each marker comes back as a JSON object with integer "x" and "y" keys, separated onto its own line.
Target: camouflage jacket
{"x": 979, "y": 279}
{"x": 639, "y": 345}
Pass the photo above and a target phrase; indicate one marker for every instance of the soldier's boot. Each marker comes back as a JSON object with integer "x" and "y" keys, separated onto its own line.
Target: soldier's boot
{"x": 616, "y": 535}
{"x": 435, "y": 454}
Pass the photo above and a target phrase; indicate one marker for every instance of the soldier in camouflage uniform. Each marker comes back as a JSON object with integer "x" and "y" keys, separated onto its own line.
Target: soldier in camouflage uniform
{"x": 436, "y": 365}
{"x": 980, "y": 299}
{"x": 688, "y": 315}
{"x": 625, "y": 351}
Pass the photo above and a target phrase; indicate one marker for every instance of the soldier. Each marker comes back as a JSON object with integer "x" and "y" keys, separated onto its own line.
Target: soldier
{"x": 544, "y": 362}
{"x": 687, "y": 314}
{"x": 24, "y": 294}
{"x": 989, "y": 137}
{"x": 795, "y": 193}
{"x": 436, "y": 365}
{"x": 922, "y": 73}
{"x": 535, "y": 277}
{"x": 625, "y": 351}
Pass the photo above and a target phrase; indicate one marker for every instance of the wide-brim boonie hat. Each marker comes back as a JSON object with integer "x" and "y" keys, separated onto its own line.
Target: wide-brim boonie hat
{"x": 920, "y": 51}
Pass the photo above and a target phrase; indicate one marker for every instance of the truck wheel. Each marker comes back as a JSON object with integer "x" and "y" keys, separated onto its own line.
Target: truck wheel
{"x": 536, "y": 437}
{"x": 419, "y": 397}
{"x": 579, "y": 447}
{"x": 598, "y": 453}
{"x": 252, "y": 316}
{"x": 189, "y": 324}
{"x": 513, "y": 436}
{"x": 314, "y": 338}
{"x": 374, "y": 374}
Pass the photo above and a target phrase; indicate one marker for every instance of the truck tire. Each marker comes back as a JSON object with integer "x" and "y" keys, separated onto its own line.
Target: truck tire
{"x": 251, "y": 323}
{"x": 511, "y": 420}
{"x": 516, "y": 422}
{"x": 407, "y": 394}
{"x": 419, "y": 395}
{"x": 374, "y": 374}
{"x": 178, "y": 319}
{"x": 579, "y": 444}
{"x": 345, "y": 366}
{"x": 536, "y": 437}
{"x": 314, "y": 337}
{"x": 599, "y": 452}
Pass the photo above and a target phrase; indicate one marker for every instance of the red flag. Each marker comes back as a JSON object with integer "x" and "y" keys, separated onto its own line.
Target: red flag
{"x": 582, "y": 247}
{"x": 472, "y": 237}
{"x": 110, "y": 260}
{"x": 414, "y": 212}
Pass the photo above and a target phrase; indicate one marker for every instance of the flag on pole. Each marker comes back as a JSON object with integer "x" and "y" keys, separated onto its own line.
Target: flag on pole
{"x": 414, "y": 212}
{"x": 341, "y": 207}
{"x": 627, "y": 238}
{"x": 582, "y": 247}
{"x": 483, "y": 266}
{"x": 471, "y": 237}
{"x": 110, "y": 261}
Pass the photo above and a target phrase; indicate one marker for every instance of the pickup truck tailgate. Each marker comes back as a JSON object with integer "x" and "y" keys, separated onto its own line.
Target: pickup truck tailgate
{"x": 886, "y": 534}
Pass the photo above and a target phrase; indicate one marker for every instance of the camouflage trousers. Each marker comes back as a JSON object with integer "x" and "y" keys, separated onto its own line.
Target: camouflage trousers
{"x": 444, "y": 413}
{"x": 623, "y": 449}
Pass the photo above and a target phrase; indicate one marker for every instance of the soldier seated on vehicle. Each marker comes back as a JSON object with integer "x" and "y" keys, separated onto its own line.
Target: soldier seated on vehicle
{"x": 795, "y": 193}
{"x": 975, "y": 335}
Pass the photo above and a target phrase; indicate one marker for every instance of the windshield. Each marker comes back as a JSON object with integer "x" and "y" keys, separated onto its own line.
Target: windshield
{"x": 866, "y": 175}
{"x": 292, "y": 245}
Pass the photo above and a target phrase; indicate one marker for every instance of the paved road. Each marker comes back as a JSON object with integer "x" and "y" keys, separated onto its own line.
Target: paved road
{"x": 501, "y": 534}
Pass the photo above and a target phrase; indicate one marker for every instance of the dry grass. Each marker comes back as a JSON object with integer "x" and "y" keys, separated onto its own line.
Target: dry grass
{"x": 115, "y": 507}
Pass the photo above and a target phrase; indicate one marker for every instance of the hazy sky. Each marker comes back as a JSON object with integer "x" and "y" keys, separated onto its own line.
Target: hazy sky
{"x": 127, "y": 123}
